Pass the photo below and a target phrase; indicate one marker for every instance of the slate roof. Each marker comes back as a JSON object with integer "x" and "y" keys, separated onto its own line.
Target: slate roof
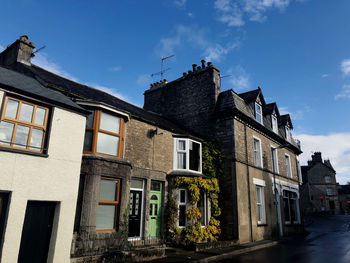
{"x": 269, "y": 108}
{"x": 284, "y": 119}
{"x": 78, "y": 91}
{"x": 28, "y": 86}
{"x": 250, "y": 96}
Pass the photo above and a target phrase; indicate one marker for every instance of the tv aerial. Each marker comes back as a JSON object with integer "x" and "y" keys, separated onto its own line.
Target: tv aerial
{"x": 162, "y": 70}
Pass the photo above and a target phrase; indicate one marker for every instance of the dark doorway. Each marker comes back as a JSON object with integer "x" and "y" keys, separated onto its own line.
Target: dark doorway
{"x": 36, "y": 232}
{"x": 4, "y": 200}
{"x": 135, "y": 213}
{"x": 331, "y": 204}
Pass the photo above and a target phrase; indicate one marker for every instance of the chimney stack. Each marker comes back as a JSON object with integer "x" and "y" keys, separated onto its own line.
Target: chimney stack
{"x": 19, "y": 51}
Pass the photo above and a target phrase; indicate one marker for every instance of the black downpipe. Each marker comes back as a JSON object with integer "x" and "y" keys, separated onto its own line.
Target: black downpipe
{"x": 248, "y": 184}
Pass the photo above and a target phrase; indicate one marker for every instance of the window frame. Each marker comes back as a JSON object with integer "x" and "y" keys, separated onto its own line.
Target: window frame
{"x": 261, "y": 204}
{"x": 31, "y": 125}
{"x": 296, "y": 202}
{"x": 205, "y": 214}
{"x": 274, "y": 124}
{"x": 260, "y": 165}
{"x": 273, "y": 150}
{"x": 96, "y": 130}
{"x": 182, "y": 204}
{"x": 115, "y": 203}
{"x": 187, "y": 151}
{"x": 257, "y": 105}
{"x": 288, "y": 135}
{"x": 326, "y": 179}
{"x": 330, "y": 191}
{"x": 288, "y": 167}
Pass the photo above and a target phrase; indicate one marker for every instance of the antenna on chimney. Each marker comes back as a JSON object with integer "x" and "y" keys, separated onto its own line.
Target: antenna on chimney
{"x": 221, "y": 77}
{"x": 37, "y": 50}
{"x": 161, "y": 72}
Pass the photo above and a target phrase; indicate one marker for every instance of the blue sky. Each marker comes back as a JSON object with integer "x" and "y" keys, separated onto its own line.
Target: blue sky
{"x": 297, "y": 51}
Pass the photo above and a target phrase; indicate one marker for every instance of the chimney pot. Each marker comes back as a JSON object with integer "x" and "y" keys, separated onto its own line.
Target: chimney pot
{"x": 189, "y": 72}
{"x": 184, "y": 74}
{"x": 194, "y": 67}
{"x": 198, "y": 68}
{"x": 203, "y": 63}
{"x": 209, "y": 64}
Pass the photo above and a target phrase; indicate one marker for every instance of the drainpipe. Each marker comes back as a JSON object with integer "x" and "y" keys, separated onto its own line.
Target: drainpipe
{"x": 248, "y": 184}
{"x": 276, "y": 195}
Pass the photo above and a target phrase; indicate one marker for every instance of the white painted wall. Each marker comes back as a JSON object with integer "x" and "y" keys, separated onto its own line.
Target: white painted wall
{"x": 55, "y": 178}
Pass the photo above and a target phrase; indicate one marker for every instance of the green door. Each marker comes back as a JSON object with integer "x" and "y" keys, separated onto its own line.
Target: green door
{"x": 155, "y": 212}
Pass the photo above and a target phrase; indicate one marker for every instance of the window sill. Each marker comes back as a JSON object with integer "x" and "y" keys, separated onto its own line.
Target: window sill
{"x": 45, "y": 155}
{"x": 186, "y": 173}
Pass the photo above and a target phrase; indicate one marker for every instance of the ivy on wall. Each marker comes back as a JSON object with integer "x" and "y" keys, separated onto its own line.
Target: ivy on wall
{"x": 194, "y": 232}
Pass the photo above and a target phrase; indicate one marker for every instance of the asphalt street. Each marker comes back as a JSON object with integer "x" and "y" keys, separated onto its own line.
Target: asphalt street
{"x": 328, "y": 241}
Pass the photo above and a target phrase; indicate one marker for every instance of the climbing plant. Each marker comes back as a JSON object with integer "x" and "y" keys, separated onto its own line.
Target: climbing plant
{"x": 194, "y": 232}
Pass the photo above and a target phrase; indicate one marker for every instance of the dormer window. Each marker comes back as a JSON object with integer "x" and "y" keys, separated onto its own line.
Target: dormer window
{"x": 274, "y": 123}
{"x": 288, "y": 133}
{"x": 258, "y": 112}
{"x": 187, "y": 155}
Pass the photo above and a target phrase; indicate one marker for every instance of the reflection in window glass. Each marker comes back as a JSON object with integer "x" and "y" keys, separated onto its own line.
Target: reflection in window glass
{"x": 109, "y": 123}
{"x": 36, "y": 139}
{"x": 11, "y": 109}
{"x": 6, "y": 130}
{"x": 40, "y": 116}
{"x": 108, "y": 190}
{"x": 181, "y": 160}
{"x": 21, "y": 137}
{"x": 105, "y": 217}
{"x": 26, "y": 112}
{"x": 107, "y": 144}
{"x": 88, "y": 141}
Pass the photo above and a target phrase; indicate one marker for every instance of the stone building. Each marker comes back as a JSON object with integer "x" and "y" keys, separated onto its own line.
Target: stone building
{"x": 319, "y": 193}
{"x": 344, "y": 198}
{"x": 260, "y": 152}
{"x": 129, "y": 157}
{"x": 41, "y": 142}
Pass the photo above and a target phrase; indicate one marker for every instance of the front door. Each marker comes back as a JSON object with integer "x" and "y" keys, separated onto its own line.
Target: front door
{"x": 155, "y": 212}
{"x": 36, "y": 232}
{"x": 135, "y": 213}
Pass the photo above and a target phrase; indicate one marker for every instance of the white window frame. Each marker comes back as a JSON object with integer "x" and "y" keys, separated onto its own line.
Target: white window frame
{"x": 274, "y": 123}
{"x": 287, "y": 133}
{"x": 272, "y": 158}
{"x": 182, "y": 203}
{"x": 289, "y": 166}
{"x": 261, "y": 204}
{"x": 187, "y": 151}
{"x": 257, "y": 105}
{"x": 205, "y": 215}
{"x": 260, "y": 153}
{"x": 330, "y": 191}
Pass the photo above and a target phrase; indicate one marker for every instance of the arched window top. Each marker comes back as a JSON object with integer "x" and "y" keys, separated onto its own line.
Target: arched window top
{"x": 154, "y": 197}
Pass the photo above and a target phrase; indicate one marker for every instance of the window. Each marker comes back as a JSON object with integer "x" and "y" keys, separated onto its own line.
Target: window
{"x": 107, "y": 210}
{"x": 274, "y": 123}
{"x": 260, "y": 203}
{"x": 274, "y": 160}
{"x": 288, "y": 166}
{"x": 258, "y": 113}
{"x": 287, "y": 133}
{"x": 104, "y": 134}
{"x": 188, "y": 155}
{"x": 257, "y": 152}
{"x": 182, "y": 207}
{"x": 330, "y": 191}
{"x": 23, "y": 125}
{"x": 327, "y": 179}
{"x": 203, "y": 208}
{"x": 290, "y": 206}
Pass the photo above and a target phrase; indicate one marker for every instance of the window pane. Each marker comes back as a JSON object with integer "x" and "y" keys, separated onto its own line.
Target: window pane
{"x": 40, "y": 116}
{"x": 182, "y": 196}
{"x": 181, "y": 160}
{"x": 36, "y": 139}
{"x": 88, "y": 141}
{"x": 90, "y": 120}
{"x": 182, "y": 145}
{"x": 258, "y": 199}
{"x": 107, "y": 144}
{"x": 201, "y": 207}
{"x": 155, "y": 186}
{"x": 109, "y": 123}
{"x": 6, "y": 130}
{"x": 26, "y": 112}
{"x": 108, "y": 190}
{"x": 11, "y": 109}
{"x": 105, "y": 217}
{"x": 135, "y": 183}
{"x": 259, "y": 213}
{"x": 21, "y": 136}
{"x": 286, "y": 209}
{"x": 195, "y": 156}
{"x": 182, "y": 215}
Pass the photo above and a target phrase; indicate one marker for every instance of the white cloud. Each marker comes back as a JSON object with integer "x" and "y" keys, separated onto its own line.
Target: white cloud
{"x": 295, "y": 115}
{"x": 1, "y": 48}
{"x": 190, "y": 15}
{"x": 197, "y": 37}
{"x": 235, "y": 12}
{"x": 180, "y": 3}
{"x": 115, "y": 68}
{"x": 345, "y": 66}
{"x": 108, "y": 90}
{"x": 144, "y": 79}
{"x": 334, "y": 146}
{"x": 344, "y": 93}
{"x": 324, "y": 76}
{"x": 239, "y": 79}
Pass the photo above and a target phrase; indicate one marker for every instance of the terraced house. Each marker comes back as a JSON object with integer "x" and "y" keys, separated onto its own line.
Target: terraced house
{"x": 260, "y": 185}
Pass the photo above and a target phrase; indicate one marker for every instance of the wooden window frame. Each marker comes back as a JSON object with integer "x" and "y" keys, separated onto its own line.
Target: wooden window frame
{"x": 96, "y": 129}
{"x": 115, "y": 203}
{"x": 30, "y": 125}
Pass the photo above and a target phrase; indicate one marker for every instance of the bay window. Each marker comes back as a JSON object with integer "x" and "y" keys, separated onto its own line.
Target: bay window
{"x": 187, "y": 155}
{"x": 104, "y": 134}
{"x": 23, "y": 125}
